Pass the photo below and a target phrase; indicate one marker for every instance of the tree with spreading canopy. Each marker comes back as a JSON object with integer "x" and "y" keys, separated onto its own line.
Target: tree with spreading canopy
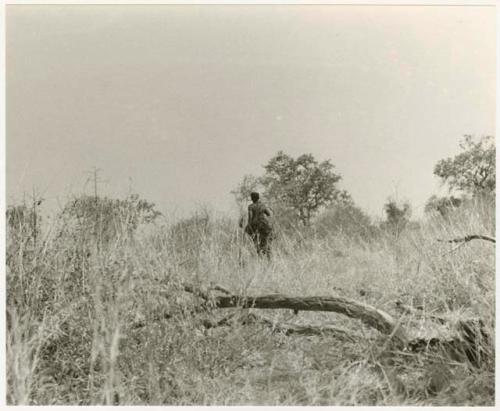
{"x": 298, "y": 186}
{"x": 470, "y": 174}
{"x": 473, "y": 170}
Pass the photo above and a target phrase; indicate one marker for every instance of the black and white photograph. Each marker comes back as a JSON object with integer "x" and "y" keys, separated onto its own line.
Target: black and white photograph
{"x": 250, "y": 204}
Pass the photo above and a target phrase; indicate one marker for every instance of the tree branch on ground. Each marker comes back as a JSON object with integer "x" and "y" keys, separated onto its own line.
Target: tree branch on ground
{"x": 469, "y": 238}
{"x": 370, "y": 315}
{"x": 468, "y": 342}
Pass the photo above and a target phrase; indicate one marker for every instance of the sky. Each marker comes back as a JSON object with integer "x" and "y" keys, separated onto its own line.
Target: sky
{"x": 178, "y": 103}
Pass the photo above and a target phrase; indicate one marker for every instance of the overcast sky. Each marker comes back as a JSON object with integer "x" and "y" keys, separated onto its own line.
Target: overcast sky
{"x": 180, "y": 102}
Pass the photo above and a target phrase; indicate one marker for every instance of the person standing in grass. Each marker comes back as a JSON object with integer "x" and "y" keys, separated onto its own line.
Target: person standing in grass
{"x": 259, "y": 226}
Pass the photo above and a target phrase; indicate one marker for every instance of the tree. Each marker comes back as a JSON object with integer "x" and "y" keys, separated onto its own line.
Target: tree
{"x": 302, "y": 186}
{"x": 471, "y": 172}
{"x": 397, "y": 215}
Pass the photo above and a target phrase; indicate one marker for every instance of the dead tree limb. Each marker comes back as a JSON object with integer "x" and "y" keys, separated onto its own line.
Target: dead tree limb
{"x": 469, "y": 238}
{"x": 371, "y": 316}
{"x": 470, "y": 342}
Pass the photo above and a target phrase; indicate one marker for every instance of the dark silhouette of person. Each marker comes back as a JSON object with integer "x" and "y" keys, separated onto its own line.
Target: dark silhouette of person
{"x": 259, "y": 226}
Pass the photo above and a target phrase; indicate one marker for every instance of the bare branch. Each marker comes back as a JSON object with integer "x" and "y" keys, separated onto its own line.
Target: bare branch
{"x": 469, "y": 238}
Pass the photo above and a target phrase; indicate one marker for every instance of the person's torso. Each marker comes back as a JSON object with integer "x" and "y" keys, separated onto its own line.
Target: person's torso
{"x": 259, "y": 217}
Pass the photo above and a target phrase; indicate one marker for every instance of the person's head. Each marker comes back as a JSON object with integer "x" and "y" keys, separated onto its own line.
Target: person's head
{"x": 254, "y": 196}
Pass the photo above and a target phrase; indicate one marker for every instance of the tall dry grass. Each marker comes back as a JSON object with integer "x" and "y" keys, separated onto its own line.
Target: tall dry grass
{"x": 110, "y": 324}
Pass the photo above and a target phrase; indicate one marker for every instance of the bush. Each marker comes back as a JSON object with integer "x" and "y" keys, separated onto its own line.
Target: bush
{"x": 345, "y": 219}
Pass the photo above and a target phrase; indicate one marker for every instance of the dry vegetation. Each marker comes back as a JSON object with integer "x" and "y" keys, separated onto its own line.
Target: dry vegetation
{"x": 93, "y": 322}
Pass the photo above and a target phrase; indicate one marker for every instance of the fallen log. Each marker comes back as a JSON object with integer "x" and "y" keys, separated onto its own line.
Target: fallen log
{"x": 369, "y": 315}
{"x": 470, "y": 337}
{"x": 468, "y": 344}
{"x": 470, "y": 341}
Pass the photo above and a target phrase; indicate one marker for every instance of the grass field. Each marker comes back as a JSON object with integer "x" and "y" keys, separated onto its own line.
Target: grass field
{"x": 92, "y": 322}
